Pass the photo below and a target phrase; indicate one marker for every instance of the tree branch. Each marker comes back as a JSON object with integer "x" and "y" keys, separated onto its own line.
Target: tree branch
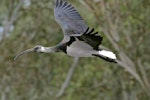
{"x": 10, "y": 21}
{"x": 109, "y": 31}
{"x": 68, "y": 78}
{"x": 143, "y": 73}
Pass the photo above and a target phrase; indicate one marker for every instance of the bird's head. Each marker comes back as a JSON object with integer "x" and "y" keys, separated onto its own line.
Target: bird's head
{"x": 37, "y": 48}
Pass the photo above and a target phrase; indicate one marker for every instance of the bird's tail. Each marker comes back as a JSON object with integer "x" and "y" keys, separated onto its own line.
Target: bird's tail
{"x": 106, "y": 55}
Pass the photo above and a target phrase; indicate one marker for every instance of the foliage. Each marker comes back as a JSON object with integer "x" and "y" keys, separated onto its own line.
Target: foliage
{"x": 125, "y": 26}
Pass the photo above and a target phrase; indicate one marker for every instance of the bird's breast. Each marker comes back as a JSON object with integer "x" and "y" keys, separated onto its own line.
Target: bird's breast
{"x": 79, "y": 49}
{"x": 76, "y": 52}
{"x": 63, "y": 47}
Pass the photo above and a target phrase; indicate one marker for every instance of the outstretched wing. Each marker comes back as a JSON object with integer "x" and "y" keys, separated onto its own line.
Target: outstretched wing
{"x": 69, "y": 19}
{"x": 92, "y": 38}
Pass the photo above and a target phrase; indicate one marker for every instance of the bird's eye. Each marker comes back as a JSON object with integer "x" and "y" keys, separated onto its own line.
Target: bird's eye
{"x": 36, "y": 49}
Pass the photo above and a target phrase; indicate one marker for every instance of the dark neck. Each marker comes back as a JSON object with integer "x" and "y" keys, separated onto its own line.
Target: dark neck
{"x": 63, "y": 46}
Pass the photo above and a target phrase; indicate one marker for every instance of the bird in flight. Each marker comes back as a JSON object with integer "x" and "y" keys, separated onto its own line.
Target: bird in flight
{"x": 79, "y": 40}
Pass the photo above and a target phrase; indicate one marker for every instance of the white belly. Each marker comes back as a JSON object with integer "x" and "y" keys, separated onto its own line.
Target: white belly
{"x": 80, "y": 49}
{"x": 78, "y": 53}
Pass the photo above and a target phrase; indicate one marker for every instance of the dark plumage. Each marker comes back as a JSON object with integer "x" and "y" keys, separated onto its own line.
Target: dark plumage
{"x": 79, "y": 40}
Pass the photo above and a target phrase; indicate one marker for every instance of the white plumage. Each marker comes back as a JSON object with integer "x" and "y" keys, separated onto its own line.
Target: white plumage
{"x": 79, "y": 40}
{"x": 108, "y": 54}
{"x": 80, "y": 49}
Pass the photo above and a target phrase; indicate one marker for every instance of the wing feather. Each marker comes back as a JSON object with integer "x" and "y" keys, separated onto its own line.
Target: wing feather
{"x": 69, "y": 19}
{"x": 91, "y": 38}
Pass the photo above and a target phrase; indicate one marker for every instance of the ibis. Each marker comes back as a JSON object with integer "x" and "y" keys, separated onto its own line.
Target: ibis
{"x": 79, "y": 40}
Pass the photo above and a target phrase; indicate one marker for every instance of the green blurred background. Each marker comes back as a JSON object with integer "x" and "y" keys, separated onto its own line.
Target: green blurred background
{"x": 125, "y": 26}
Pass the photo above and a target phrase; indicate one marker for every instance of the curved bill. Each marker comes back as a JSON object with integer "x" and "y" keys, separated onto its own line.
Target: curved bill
{"x": 23, "y": 52}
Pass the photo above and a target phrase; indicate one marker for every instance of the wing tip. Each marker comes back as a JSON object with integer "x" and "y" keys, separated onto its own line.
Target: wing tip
{"x": 91, "y": 31}
{"x": 58, "y": 3}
